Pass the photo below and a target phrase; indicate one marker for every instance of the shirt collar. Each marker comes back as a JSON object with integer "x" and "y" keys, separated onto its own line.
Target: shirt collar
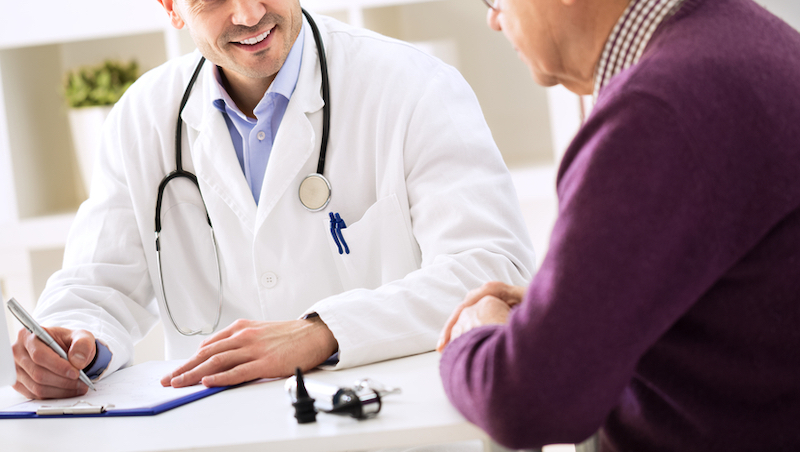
{"x": 284, "y": 83}
{"x": 630, "y": 37}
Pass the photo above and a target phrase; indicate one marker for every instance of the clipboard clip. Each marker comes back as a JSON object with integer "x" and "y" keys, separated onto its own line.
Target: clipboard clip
{"x": 79, "y": 407}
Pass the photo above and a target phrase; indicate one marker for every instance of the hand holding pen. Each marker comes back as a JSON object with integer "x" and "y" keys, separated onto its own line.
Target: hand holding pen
{"x": 40, "y": 372}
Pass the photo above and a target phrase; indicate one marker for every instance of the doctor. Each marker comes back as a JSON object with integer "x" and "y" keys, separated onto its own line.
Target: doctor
{"x": 421, "y": 207}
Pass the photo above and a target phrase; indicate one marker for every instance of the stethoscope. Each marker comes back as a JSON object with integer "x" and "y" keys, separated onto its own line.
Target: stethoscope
{"x": 314, "y": 191}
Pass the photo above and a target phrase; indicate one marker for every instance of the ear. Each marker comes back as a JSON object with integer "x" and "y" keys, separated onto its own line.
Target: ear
{"x": 172, "y": 12}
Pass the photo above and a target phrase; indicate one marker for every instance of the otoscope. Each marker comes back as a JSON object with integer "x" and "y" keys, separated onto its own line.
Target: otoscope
{"x": 362, "y": 401}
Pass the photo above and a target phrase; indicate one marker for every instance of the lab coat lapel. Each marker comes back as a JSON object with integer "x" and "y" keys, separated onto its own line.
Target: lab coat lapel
{"x": 212, "y": 153}
{"x": 296, "y": 140}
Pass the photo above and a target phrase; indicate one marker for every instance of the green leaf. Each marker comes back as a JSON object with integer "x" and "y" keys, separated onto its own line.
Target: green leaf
{"x": 102, "y": 84}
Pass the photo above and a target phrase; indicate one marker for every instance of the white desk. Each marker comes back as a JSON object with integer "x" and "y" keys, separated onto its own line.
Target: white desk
{"x": 259, "y": 417}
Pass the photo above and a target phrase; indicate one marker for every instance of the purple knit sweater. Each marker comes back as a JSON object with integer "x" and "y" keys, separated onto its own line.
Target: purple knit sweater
{"x": 667, "y": 310}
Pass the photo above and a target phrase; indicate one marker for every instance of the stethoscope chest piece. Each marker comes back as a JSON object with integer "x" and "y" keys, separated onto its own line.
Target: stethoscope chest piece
{"x": 315, "y": 192}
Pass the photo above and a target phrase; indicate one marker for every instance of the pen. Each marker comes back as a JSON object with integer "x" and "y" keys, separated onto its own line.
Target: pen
{"x": 31, "y": 325}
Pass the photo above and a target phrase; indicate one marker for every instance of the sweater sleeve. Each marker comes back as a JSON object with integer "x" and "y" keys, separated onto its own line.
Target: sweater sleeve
{"x": 636, "y": 243}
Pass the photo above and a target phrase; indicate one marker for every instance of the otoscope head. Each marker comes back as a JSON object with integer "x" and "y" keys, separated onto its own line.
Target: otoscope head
{"x": 304, "y": 406}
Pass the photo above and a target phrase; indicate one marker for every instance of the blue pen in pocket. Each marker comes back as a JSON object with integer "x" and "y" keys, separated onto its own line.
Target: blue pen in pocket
{"x": 337, "y": 224}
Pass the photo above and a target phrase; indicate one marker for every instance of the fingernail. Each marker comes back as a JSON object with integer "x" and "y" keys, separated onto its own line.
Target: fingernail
{"x": 177, "y": 380}
{"x": 71, "y": 374}
{"x": 80, "y": 357}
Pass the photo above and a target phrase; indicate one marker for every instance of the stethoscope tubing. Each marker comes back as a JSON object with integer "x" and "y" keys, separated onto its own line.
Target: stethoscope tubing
{"x": 179, "y": 172}
{"x": 326, "y": 110}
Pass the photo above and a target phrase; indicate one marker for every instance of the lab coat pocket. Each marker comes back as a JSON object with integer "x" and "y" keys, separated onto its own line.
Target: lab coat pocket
{"x": 380, "y": 246}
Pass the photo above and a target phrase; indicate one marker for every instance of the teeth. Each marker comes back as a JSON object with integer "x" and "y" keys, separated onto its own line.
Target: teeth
{"x": 255, "y": 40}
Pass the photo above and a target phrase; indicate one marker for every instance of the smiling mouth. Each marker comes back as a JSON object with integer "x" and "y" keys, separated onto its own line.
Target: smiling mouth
{"x": 255, "y": 40}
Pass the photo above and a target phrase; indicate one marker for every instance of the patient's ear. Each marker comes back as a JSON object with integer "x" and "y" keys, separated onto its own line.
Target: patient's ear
{"x": 175, "y": 18}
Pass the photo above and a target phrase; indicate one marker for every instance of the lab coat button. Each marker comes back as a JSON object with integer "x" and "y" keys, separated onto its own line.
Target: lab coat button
{"x": 269, "y": 280}
{"x": 261, "y": 136}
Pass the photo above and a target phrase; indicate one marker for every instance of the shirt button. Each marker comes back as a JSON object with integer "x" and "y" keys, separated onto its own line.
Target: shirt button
{"x": 261, "y": 135}
{"x": 269, "y": 280}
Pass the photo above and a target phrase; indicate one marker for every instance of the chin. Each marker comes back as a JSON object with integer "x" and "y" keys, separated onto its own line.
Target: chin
{"x": 544, "y": 79}
{"x": 578, "y": 87}
{"x": 548, "y": 80}
{"x": 540, "y": 77}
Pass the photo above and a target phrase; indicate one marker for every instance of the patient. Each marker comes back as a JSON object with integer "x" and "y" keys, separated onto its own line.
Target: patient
{"x": 666, "y": 311}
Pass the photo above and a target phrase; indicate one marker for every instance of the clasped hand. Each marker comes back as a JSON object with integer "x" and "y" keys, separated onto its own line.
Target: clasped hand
{"x": 250, "y": 349}
{"x": 490, "y": 304}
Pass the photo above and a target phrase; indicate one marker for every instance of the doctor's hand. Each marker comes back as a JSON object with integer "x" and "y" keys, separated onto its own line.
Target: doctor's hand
{"x": 249, "y": 349}
{"x": 42, "y": 374}
{"x": 486, "y": 305}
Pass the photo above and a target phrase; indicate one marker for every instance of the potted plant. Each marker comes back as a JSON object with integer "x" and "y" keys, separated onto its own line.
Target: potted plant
{"x": 90, "y": 92}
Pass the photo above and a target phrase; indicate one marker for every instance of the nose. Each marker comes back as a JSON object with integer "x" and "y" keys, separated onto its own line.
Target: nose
{"x": 491, "y": 19}
{"x": 247, "y": 12}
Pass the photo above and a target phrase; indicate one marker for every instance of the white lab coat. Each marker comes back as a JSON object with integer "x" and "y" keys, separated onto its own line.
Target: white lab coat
{"x": 430, "y": 208}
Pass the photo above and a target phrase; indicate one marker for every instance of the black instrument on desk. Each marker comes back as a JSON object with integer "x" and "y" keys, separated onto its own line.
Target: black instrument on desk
{"x": 362, "y": 401}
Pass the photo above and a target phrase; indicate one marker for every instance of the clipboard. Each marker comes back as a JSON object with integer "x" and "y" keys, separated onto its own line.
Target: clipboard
{"x": 137, "y": 387}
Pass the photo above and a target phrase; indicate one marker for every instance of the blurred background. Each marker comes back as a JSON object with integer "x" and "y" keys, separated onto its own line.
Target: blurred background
{"x": 41, "y": 174}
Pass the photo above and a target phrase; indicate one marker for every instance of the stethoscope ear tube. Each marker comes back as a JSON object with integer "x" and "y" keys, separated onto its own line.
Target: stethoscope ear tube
{"x": 163, "y": 185}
